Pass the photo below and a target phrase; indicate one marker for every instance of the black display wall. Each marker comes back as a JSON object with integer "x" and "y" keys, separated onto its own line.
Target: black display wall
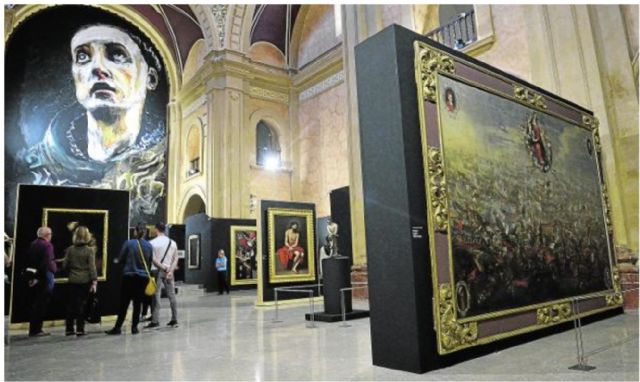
{"x": 266, "y": 288}
{"x": 31, "y": 202}
{"x": 400, "y": 289}
{"x": 176, "y": 233}
{"x": 341, "y": 214}
{"x": 214, "y": 235}
{"x": 46, "y": 111}
{"x": 199, "y": 224}
{"x": 221, "y": 239}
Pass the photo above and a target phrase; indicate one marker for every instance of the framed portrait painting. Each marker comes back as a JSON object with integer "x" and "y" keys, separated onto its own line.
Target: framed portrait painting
{"x": 519, "y": 228}
{"x": 63, "y": 223}
{"x": 194, "y": 251}
{"x": 291, "y": 245}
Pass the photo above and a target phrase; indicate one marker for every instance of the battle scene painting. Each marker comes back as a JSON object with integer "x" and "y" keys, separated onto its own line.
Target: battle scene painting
{"x": 243, "y": 255}
{"x": 63, "y": 223}
{"x": 525, "y": 206}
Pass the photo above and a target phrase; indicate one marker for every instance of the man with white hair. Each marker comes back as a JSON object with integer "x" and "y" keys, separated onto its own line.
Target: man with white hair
{"x": 41, "y": 267}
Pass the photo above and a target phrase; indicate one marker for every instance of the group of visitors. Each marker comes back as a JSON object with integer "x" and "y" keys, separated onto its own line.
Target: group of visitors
{"x": 141, "y": 260}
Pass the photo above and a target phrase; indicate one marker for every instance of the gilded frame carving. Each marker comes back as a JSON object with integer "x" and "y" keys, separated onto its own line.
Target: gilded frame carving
{"x": 102, "y": 275}
{"x": 276, "y": 242}
{"x": 453, "y": 332}
{"x": 234, "y": 229}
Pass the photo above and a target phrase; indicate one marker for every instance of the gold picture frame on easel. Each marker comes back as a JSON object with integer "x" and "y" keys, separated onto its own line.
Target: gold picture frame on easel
{"x": 519, "y": 228}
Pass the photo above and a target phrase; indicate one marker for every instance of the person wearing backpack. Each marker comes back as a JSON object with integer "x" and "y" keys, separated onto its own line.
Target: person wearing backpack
{"x": 40, "y": 278}
{"x": 165, "y": 260}
{"x": 80, "y": 261}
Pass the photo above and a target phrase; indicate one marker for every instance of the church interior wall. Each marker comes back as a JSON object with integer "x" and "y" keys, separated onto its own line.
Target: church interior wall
{"x": 324, "y": 164}
{"x": 317, "y": 34}
{"x": 510, "y": 50}
{"x": 258, "y": 181}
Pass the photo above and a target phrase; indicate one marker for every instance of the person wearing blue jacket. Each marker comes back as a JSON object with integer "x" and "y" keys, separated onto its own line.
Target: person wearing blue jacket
{"x": 135, "y": 258}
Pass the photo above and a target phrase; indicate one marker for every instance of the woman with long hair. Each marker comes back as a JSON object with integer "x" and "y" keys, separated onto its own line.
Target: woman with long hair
{"x": 80, "y": 262}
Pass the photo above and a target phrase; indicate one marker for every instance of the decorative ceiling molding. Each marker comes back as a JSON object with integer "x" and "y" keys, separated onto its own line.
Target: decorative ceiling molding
{"x": 207, "y": 24}
{"x": 270, "y": 95}
{"x": 236, "y": 21}
{"x": 220, "y": 17}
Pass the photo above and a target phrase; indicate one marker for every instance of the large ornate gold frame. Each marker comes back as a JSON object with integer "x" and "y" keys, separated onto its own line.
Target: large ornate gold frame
{"x": 232, "y": 254}
{"x": 105, "y": 213}
{"x": 309, "y": 256}
{"x": 455, "y": 333}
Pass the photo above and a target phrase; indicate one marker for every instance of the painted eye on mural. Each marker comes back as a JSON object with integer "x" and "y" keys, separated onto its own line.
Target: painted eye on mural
{"x": 82, "y": 56}
{"x": 118, "y": 53}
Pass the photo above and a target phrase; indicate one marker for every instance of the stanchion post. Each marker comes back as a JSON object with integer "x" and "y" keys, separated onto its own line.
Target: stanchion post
{"x": 343, "y": 309}
{"x": 275, "y": 291}
{"x": 311, "y": 310}
{"x": 577, "y": 325}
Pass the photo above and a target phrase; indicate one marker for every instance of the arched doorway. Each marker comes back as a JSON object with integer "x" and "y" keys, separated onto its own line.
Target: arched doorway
{"x": 194, "y": 206}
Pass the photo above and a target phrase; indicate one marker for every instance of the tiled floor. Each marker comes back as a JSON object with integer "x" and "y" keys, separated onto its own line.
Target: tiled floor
{"x": 227, "y": 338}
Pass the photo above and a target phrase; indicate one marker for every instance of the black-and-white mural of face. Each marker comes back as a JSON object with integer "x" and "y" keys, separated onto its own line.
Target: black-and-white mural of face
{"x": 108, "y": 69}
{"x": 100, "y": 119}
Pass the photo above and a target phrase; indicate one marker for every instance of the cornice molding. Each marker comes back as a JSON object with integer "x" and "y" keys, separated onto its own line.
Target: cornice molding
{"x": 322, "y": 86}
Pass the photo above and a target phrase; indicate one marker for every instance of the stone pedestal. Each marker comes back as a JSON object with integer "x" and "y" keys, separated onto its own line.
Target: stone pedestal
{"x": 336, "y": 277}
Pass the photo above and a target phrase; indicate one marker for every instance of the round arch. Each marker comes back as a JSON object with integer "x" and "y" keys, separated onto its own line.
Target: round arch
{"x": 127, "y": 14}
{"x": 277, "y": 124}
{"x": 192, "y": 203}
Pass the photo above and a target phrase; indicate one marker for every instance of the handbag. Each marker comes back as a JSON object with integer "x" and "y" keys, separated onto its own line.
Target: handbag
{"x": 92, "y": 312}
{"x": 150, "y": 289}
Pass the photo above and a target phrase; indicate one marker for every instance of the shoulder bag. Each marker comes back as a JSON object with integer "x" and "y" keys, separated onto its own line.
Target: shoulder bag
{"x": 150, "y": 289}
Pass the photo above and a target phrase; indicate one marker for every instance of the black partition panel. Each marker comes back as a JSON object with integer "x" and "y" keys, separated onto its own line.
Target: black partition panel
{"x": 221, "y": 239}
{"x": 341, "y": 214}
{"x": 395, "y": 210}
{"x": 33, "y": 200}
{"x": 198, "y": 236}
{"x": 268, "y": 285}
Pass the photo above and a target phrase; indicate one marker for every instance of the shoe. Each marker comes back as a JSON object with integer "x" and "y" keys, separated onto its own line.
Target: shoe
{"x": 39, "y": 334}
{"x": 69, "y": 333}
{"x": 80, "y": 334}
{"x": 114, "y": 331}
{"x": 134, "y": 331}
{"x": 152, "y": 325}
{"x": 219, "y": 293}
{"x": 145, "y": 319}
{"x": 173, "y": 323}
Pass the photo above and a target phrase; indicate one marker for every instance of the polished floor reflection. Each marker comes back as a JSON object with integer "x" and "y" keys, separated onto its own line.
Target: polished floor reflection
{"x": 227, "y": 338}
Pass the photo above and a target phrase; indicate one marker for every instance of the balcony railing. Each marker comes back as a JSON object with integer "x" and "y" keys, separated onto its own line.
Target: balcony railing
{"x": 458, "y": 33}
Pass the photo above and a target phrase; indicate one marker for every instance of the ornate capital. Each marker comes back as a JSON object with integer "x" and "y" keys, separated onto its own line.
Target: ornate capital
{"x": 437, "y": 190}
{"x": 529, "y": 97}
{"x": 430, "y": 63}
{"x": 453, "y": 334}
{"x": 553, "y": 313}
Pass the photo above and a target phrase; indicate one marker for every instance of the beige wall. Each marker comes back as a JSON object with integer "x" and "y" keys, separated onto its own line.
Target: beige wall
{"x": 510, "y": 51}
{"x": 324, "y": 160}
{"x": 317, "y": 34}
